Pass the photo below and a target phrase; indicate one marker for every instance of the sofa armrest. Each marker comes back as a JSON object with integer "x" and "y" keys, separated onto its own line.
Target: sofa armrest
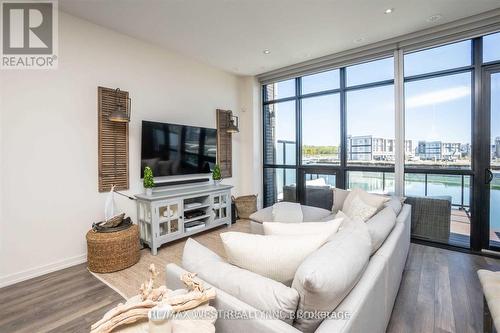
{"x": 404, "y": 215}
{"x": 234, "y": 315}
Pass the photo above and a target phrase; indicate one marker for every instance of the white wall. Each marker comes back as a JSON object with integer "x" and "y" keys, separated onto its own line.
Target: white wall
{"x": 1, "y": 173}
{"x": 251, "y": 137}
{"x": 48, "y": 140}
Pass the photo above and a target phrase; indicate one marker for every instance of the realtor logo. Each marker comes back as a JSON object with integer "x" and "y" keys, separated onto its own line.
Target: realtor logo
{"x": 29, "y": 34}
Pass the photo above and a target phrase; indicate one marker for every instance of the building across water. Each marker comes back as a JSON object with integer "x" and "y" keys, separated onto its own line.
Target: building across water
{"x": 370, "y": 148}
{"x": 443, "y": 151}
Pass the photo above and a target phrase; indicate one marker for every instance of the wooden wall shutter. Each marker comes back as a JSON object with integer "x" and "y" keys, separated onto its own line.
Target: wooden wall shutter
{"x": 113, "y": 141}
{"x": 224, "y": 144}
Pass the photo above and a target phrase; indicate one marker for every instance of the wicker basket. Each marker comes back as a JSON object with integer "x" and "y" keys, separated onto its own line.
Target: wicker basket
{"x": 111, "y": 252}
{"x": 246, "y": 205}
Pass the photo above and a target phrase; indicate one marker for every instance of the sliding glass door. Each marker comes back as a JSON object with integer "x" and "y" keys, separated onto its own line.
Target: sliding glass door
{"x": 490, "y": 159}
{"x": 438, "y": 134}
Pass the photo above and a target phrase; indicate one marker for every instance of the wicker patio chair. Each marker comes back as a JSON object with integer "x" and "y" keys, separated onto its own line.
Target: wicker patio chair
{"x": 430, "y": 217}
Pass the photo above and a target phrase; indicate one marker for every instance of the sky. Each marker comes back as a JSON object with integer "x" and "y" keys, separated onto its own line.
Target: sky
{"x": 435, "y": 109}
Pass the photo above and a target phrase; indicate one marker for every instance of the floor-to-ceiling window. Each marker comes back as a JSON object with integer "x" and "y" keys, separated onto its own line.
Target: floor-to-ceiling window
{"x": 340, "y": 124}
{"x": 438, "y": 127}
{"x": 370, "y": 123}
{"x": 302, "y": 129}
{"x": 338, "y": 127}
{"x": 280, "y": 142}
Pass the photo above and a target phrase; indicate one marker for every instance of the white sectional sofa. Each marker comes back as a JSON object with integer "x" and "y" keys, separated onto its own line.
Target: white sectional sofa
{"x": 368, "y": 304}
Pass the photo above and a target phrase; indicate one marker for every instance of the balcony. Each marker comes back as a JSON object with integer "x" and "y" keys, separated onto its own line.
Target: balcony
{"x": 460, "y": 227}
{"x": 454, "y": 187}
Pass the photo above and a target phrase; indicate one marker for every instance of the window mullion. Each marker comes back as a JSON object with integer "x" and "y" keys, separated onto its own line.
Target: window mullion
{"x": 341, "y": 182}
{"x": 298, "y": 140}
{"x": 399, "y": 149}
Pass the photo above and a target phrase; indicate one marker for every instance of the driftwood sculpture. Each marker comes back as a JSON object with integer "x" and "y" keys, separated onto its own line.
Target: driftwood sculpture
{"x": 150, "y": 297}
{"x": 147, "y": 288}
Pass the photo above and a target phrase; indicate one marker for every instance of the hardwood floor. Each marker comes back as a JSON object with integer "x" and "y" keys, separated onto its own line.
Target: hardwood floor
{"x": 440, "y": 292}
{"x": 69, "y": 300}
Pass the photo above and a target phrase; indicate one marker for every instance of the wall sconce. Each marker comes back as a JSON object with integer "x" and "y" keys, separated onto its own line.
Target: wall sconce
{"x": 233, "y": 124}
{"x": 122, "y": 113}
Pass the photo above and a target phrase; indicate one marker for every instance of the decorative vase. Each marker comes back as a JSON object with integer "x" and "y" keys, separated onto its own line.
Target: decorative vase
{"x": 149, "y": 192}
{"x": 217, "y": 181}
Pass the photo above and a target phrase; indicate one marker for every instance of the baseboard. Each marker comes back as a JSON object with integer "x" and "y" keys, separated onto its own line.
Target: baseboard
{"x": 41, "y": 270}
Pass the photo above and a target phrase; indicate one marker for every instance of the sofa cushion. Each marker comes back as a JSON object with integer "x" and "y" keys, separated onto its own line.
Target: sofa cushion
{"x": 260, "y": 292}
{"x": 380, "y": 226}
{"x": 305, "y": 228}
{"x": 275, "y": 257}
{"x": 329, "y": 274}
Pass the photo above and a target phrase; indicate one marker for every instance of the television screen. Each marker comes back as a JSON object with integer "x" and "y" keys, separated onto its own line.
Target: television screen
{"x": 171, "y": 150}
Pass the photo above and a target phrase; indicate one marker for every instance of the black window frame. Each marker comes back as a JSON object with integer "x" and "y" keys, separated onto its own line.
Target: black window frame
{"x": 479, "y": 239}
{"x": 340, "y": 170}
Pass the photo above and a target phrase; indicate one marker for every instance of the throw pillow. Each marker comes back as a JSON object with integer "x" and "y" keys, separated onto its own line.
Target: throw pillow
{"x": 375, "y": 200}
{"x": 260, "y": 292}
{"x": 339, "y": 196}
{"x": 328, "y": 275}
{"x": 306, "y": 228}
{"x": 358, "y": 209}
{"x": 275, "y": 257}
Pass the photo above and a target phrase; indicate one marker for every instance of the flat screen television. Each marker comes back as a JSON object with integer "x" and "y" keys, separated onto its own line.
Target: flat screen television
{"x": 172, "y": 150}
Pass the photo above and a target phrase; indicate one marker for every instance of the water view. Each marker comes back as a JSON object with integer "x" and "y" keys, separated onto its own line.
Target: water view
{"x": 456, "y": 187}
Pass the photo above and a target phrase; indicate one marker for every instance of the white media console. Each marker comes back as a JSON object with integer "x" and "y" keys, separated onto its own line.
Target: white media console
{"x": 171, "y": 214}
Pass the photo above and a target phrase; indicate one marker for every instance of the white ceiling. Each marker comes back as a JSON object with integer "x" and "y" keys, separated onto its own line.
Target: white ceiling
{"x": 232, "y": 34}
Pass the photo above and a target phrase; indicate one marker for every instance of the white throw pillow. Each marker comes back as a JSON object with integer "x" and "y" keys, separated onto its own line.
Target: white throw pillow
{"x": 260, "y": 292}
{"x": 359, "y": 199}
{"x": 306, "y": 228}
{"x": 339, "y": 196}
{"x": 287, "y": 212}
{"x": 341, "y": 215}
{"x": 358, "y": 209}
{"x": 275, "y": 257}
{"x": 375, "y": 200}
